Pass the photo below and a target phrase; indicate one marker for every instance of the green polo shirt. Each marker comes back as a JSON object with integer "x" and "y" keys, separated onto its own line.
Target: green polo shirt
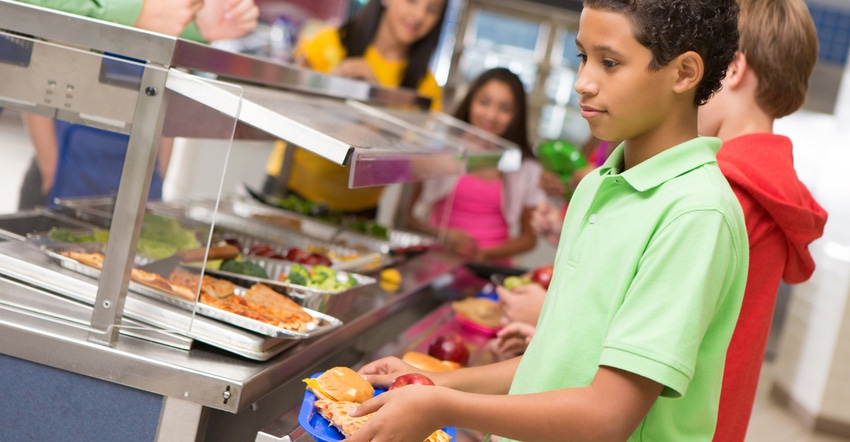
{"x": 124, "y": 12}
{"x": 649, "y": 278}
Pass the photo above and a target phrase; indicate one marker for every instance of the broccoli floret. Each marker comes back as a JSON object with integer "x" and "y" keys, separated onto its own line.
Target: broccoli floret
{"x": 351, "y": 282}
{"x": 244, "y": 268}
{"x": 298, "y": 275}
{"x": 322, "y": 273}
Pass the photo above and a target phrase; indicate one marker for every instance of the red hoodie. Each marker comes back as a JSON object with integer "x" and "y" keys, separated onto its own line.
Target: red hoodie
{"x": 782, "y": 219}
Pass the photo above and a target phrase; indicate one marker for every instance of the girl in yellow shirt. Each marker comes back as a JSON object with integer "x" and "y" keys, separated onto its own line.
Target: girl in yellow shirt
{"x": 388, "y": 42}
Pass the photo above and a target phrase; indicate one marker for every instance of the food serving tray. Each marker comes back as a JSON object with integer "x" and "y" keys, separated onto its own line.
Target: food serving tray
{"x": 321, "y": 429}
{"x": 326, "y": 322}
{"x": 307, "y": 297}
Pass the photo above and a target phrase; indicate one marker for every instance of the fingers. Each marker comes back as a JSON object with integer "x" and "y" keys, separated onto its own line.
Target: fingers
{"x": 370, "y": 406}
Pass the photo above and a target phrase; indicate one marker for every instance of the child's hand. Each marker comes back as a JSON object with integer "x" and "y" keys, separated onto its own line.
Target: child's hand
{"x": 168, "y": 17}
{"x": 546, "y": 221}
{"x": 406, "y": 413}
{"x": 458, "y": 241}
{"x": 381, "y": 373}
{"x": 523, "y": 303}
{"x": 357, "y": 68}
{"x": 512, "y": 340}
{"x": 551, "y": 183}
{"x": 224, "y": 19}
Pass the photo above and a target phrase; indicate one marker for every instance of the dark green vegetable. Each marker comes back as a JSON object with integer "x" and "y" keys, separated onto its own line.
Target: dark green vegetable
{"x": 244, "y": 268}
{"x": 298, "y": 275}
{"x": 66, "y": 235}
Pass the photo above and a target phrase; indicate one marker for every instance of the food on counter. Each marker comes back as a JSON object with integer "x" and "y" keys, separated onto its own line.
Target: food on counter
{"x": 410, "y": 379}
{"x": 390, "y": 280}
{"x": 341, "y": 384}
{"x": 60, "y": 234}
{"x": 481, "y": 311}
{"x": 218, "y": 288}
{"x": 428, "y": 363}
{"x": 244, "y": 268}
{"x": 283, "y": 221}
{"x": 318, "y": 277}
{"x": 160, "y": 236}
{"x": 370, "y": 228}
{"x": 91, "y": 259}
{"x": 260, "y": 302}
{"x": 449, "y": 347}
{"x": 264, "y": 250}
{"x": 542, "y": 275}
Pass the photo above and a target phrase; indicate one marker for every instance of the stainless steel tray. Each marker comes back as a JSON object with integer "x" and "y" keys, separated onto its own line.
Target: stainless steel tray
{"x": 254, "y": 231}
{"x": 326, "y": 322}
{"x": 35, "y": 222}
{"x": 326, "y": 231}
{"x": 308, "y": 297}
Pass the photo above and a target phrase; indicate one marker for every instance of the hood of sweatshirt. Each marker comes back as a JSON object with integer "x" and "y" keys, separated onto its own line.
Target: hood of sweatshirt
{"x": 762, "y": 165}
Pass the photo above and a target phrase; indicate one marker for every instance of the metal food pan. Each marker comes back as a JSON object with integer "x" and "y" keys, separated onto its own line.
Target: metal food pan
{"x": 35, "y": 222}
{"x": 99, "y": 209}
{"x": 252, "y": 232}
{"x": 308, "y": 297}
{"x": 328, "y": 232}
{"x": 326, "y": 322}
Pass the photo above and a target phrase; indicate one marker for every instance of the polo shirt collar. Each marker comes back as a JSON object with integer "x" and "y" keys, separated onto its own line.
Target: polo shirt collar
{"x": 665, "y": 166}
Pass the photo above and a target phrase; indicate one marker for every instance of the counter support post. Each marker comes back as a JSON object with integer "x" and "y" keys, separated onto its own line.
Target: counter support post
{"x": 181, "y": 421}
{"x": 129, "y": 207}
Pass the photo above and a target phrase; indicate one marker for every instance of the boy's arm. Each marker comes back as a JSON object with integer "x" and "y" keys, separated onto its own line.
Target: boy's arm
{"x": 610, "y": 408}
{"x": 486, "y": 379}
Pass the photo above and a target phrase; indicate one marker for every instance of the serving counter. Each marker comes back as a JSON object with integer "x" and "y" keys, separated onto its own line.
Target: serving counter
{"x": 88, "y": 355}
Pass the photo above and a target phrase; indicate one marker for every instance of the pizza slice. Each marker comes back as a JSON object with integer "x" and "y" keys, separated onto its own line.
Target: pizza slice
{"x": 91, "y": 259}
{"x": 336, "y": 412}
{"x": 218, "y": 288}
{"x": 268, "y": 300}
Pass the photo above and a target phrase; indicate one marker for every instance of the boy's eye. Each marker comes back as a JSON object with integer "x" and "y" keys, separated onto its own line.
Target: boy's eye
{"x": 582, "y": 57}
{"x": 609, "y": 63}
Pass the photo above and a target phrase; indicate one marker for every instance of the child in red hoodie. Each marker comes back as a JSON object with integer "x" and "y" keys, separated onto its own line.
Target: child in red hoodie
{"x": 767, "y": 79}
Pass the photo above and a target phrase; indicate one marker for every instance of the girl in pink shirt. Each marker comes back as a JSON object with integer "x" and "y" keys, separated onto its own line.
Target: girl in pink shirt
{"x": 484, "y": 215}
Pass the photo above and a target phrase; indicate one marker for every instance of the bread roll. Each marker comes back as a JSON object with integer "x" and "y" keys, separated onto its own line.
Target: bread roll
{"x": 341, "y": 384}
{"x": 428, "y": 363}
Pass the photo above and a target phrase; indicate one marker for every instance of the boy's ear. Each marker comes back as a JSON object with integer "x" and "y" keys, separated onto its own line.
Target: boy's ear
{"x": 737, "y": 69}
{"x": 689, "y": 71}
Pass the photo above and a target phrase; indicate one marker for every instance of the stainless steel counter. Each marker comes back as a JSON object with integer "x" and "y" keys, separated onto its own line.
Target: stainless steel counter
{"x": 209, "y": 394}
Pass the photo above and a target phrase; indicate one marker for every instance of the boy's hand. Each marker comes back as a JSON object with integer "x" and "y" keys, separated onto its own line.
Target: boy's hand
{"x": 512, "y": 340}
{"x": 224, "y": 19}
{"x": 381, "y": 373}
{"x": 523, "y": 303}
{"x": 167, "y": 17}
{"x": 406, "y": 413}
{"x": 546, "y": 221}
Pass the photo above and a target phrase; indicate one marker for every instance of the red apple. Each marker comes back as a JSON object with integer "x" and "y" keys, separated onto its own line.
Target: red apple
{"x": 410, "y": 378}
{"x": 542, "y": 275}
{"x": 449, "y": 347}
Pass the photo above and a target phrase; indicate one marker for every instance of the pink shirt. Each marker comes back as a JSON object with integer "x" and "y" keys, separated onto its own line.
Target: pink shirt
{"x": 476, "y": 209}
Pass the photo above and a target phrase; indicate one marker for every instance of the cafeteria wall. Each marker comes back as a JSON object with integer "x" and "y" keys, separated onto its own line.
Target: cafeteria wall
{"x": 812, "y": 364}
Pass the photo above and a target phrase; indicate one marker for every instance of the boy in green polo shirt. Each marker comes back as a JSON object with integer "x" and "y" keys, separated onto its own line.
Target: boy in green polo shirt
{"x": 651, "y": 265}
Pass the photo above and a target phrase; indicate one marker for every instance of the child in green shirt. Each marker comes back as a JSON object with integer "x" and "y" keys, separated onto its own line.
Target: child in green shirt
{"x": 651, "y": 265}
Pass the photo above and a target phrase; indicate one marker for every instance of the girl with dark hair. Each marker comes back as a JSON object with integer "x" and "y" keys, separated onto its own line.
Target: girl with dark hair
{"x": 387, "y": 42}
{"x": 484, "y": 215}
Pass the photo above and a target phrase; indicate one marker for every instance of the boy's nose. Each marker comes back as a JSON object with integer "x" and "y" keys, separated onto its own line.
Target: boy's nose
{"x": 584, "y": 84}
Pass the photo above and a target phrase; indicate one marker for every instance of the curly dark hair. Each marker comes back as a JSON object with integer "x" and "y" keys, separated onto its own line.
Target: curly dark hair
{"x": 669, "y": 28}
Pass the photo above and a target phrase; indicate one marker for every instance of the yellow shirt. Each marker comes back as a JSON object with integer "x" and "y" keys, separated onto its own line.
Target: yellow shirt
{"x": 316, "y": 178}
